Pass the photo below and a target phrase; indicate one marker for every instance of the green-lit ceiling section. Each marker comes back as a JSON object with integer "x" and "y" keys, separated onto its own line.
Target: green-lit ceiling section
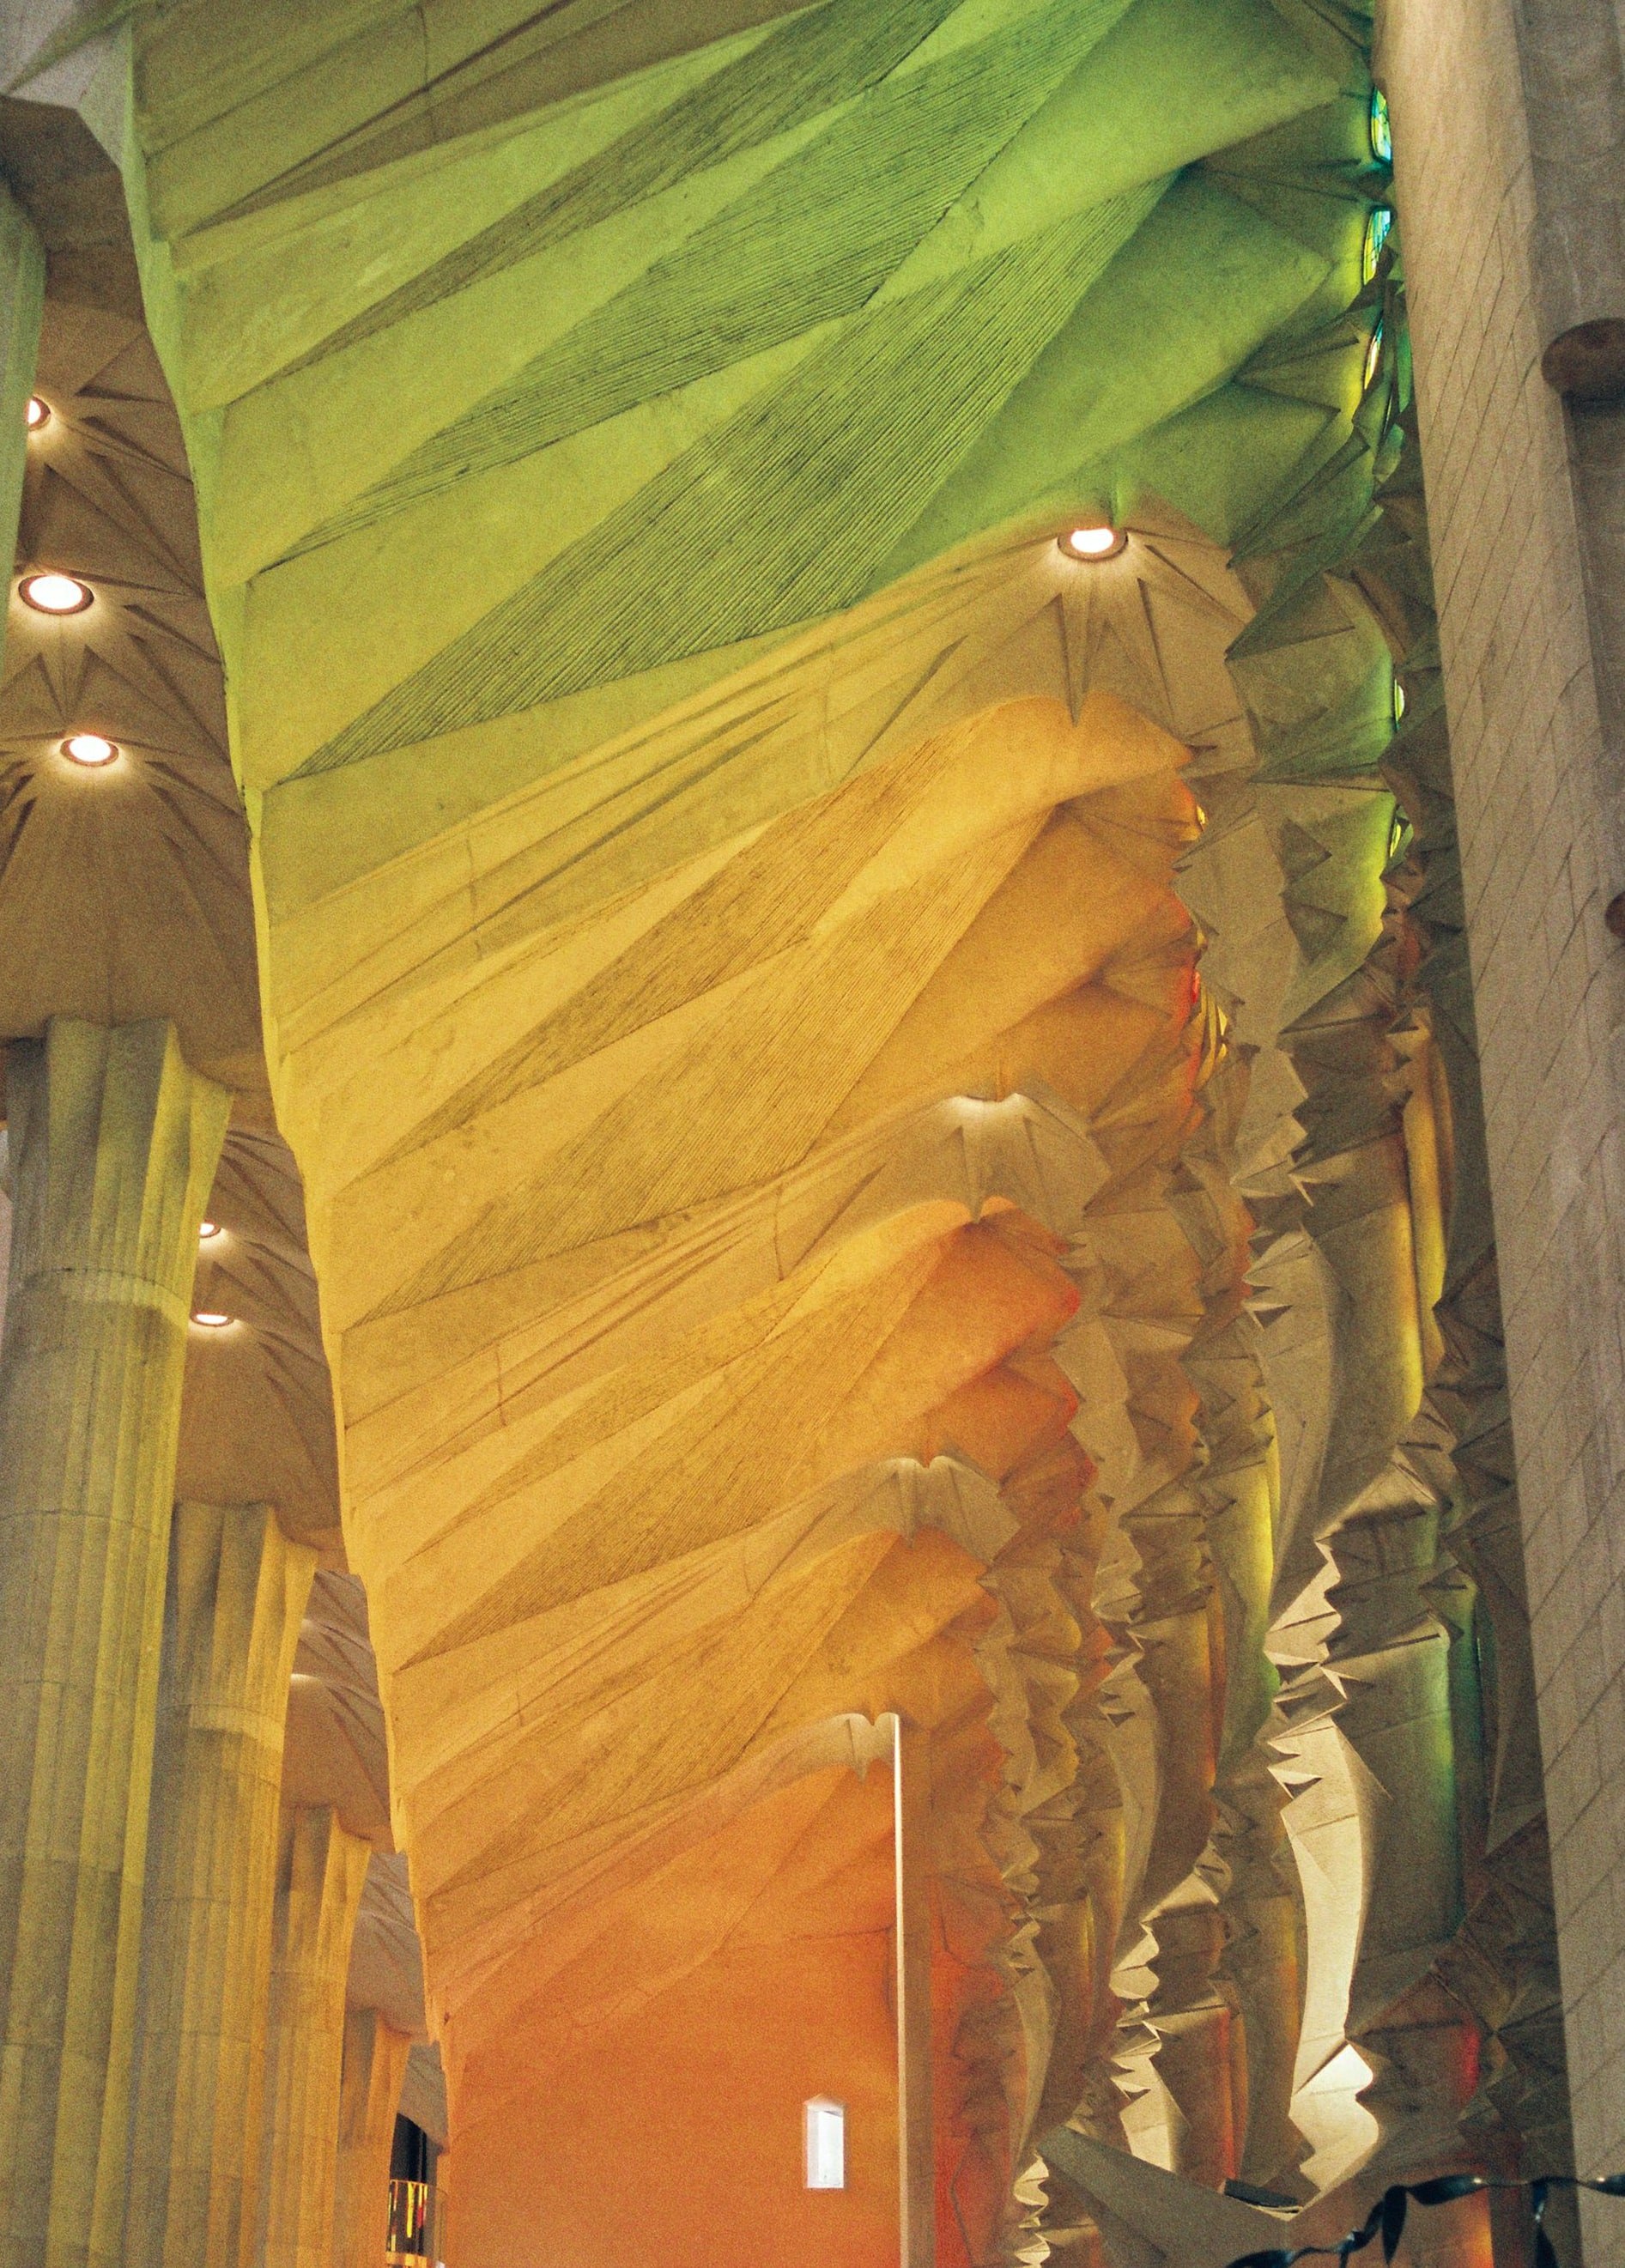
{"x": 641, "y": 378}
{"x": 540, "y": 372}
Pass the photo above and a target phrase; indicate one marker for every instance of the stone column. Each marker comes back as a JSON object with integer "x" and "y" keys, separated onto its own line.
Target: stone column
{"x": 915, "y": 2129}
{"x": 113, "y": 1145}
{"x": 22, "y": 298}
{"x": 1574, "y": 93}
{"x": 236, "y": 1590}
{"x": 375, "y": 2059}
{"x": 321, "y": 1868}
{"x": 1506, "y": 130}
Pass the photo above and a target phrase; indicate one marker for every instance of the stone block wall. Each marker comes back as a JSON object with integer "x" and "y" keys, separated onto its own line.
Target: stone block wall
{"x": 1521, "y": 501}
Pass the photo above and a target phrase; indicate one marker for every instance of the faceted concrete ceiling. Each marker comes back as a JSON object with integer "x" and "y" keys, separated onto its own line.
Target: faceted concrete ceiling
{"x": 884, "y": 1112}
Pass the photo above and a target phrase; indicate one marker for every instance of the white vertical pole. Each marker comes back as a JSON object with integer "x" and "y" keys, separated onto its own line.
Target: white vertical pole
{"x": 916, "y": 2168}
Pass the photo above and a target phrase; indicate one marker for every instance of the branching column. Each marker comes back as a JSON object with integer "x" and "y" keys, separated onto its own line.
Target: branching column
{"x": 321, "y": 1869}
{"x": 113, "y": 1144}
{"x": 375, "y": 2060}
{"x": 236, "y": 1590}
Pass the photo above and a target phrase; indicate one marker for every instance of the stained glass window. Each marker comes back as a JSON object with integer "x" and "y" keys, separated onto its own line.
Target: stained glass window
{"x": 1381, "y": 128}
{"x": 1378, "y": 222}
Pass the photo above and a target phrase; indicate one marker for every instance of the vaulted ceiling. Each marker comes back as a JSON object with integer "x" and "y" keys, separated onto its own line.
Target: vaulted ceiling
{"x": 730, "y": 896}
{"x": 749, "y": 1076}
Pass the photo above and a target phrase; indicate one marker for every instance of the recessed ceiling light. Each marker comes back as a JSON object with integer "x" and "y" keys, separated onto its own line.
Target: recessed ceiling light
{"x": 55, "y": 595}
{"x": 90, "y": 750}
{"x": 206, "y": 1229}
{"x": 210, "y": 1318}
{"x": 1093, "y": 542}
{"x": 38, "y": 413}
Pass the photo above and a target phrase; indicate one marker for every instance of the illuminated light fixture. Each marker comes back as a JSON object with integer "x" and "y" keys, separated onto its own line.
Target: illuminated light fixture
{"x": 90, "y": 750}
{"x": 55, "y": 595}
{"x": 206, "y": 1229}
{"x": 1399, "y": 701}
{"x": 211, "y": 1318}
{"x": 1373, "y": 357}
{"x": 1379, "y": 222}
{"x": 37, "y": 413}
{"x": 1093, "y": 542}
{"x": 1381, "y": 128}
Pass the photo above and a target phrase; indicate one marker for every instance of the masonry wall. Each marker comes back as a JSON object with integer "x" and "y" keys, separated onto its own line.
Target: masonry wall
{"x": 1521, "y": 492}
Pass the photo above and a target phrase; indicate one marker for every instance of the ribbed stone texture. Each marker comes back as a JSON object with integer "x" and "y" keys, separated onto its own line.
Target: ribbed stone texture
{"x": 113, "y": 1144}
{"x": 321, "y": 1868}
{"x": 1501, "y": 118}
{"x": 237, "y": 1591}
{"x": 375, "y": 2059}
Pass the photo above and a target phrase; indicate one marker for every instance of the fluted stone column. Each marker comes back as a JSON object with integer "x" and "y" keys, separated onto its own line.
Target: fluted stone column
{"x": 237, "y": 1591}
{"x": 113, "y": 1143}
{"x": 375, "y": 2059}
{"x": 321, "y": 1869}
{"x": 22, "y": 298}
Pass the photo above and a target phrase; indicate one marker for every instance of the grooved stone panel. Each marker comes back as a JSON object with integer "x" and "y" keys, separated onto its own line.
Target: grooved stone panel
{"x": 1538, "y": 798}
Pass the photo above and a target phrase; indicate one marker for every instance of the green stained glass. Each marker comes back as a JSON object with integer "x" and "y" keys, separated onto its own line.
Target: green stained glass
{"x": 1379, "y": 222}
{"x": 1399, "y": 701}
{"x": 1381, "y": 128}
{"x": 1373, "y": 357}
